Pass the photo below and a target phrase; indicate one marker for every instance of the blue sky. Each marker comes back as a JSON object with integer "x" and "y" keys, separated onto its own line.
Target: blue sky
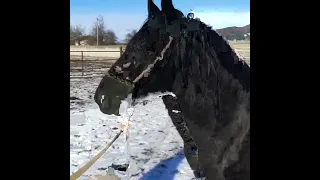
{"x": 125, "y": 15}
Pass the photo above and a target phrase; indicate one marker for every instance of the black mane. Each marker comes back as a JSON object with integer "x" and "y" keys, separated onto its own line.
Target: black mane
{"x": 234, "y": 64}
{"x": 163, "y": 76}
{"x": 212, "y": 42}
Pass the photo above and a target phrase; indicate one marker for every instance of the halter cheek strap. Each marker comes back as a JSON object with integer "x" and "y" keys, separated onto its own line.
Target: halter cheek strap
{"x": 146, "y": 72}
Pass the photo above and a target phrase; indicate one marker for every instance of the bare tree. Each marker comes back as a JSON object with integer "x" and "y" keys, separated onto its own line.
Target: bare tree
{"x": 76, "y": 32}
{"x": 110, "y": 37}
{"x": 105, "y": 36}
{"x": 130, "y": 35}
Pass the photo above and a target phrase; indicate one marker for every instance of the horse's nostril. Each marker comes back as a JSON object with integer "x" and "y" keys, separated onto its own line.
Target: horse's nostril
{"x": 104, "y": 101}
{"x": 101, "y": 99}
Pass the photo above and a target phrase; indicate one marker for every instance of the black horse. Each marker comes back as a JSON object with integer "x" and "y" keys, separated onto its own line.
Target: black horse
{"x": 211, "y": 82}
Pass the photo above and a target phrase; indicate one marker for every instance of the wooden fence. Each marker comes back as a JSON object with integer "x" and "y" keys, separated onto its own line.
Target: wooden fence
{"x": 96, "y": 62}
{"x": 92, "y": 61}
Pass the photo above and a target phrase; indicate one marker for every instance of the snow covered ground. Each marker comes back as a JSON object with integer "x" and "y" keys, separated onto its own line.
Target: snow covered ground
{"x": 154, "y": 148}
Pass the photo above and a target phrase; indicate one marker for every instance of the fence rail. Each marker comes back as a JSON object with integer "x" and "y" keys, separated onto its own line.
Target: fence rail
{"x": 92, "y": 62}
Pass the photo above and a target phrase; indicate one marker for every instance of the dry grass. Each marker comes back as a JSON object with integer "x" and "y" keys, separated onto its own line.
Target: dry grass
{"x": 243, "y": 48}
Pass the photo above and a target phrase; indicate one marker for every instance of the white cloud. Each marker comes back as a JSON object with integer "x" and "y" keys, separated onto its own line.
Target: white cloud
{"x": 222, "y": 19}
{"x": 122, "y": 23}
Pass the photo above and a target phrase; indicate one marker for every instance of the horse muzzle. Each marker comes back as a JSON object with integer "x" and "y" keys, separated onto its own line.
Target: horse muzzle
{"x": 110, "y": 93}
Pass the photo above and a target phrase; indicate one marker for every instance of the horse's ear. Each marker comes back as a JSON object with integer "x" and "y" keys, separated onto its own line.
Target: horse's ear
{"x": 167, "y": 6}
{"x": 152, "y": 9}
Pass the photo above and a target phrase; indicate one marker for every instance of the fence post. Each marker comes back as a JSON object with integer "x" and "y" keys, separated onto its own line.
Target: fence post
{"x": 121, "y": 50}
{"x": 82, "y": 62}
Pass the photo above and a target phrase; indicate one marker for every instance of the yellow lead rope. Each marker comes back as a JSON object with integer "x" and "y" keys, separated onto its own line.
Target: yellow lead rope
{"x": 83, "y": 169}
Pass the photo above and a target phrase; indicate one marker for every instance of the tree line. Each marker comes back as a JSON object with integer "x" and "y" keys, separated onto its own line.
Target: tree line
{"x": 98, "y": 33}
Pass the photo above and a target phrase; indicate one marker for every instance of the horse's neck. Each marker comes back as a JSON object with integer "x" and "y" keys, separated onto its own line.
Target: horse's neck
{"x": 205, "y": 86}
{"x": 230, "y": 60}
{"x": 215, "y": 106}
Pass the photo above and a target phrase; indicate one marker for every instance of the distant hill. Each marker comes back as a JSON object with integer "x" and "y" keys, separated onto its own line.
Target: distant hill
{"x": 235, "y": 33}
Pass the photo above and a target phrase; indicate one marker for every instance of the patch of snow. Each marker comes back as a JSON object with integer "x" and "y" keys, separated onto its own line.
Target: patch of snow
{"x": 154, "y": 148}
